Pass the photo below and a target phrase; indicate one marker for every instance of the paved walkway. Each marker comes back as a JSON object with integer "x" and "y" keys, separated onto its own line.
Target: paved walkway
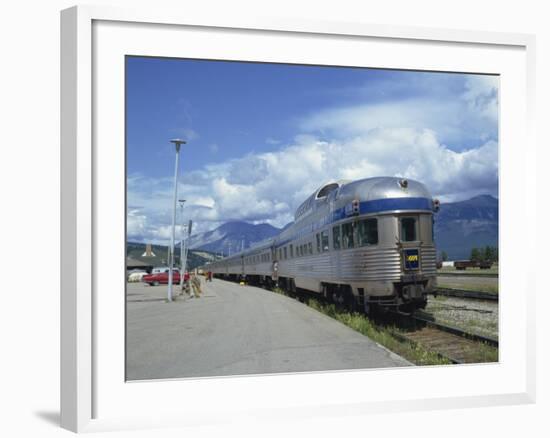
{"x": 237, "y": 330}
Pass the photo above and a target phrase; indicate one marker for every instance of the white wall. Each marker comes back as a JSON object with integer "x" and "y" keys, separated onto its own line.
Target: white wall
{"x": 29, "y": 243}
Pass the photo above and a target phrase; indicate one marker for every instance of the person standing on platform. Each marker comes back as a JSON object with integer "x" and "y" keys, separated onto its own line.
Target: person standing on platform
{"x": 196, "y": 286}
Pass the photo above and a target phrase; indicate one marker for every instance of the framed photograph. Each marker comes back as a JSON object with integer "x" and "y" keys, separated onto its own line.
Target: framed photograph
{"x": 268, "y": 215}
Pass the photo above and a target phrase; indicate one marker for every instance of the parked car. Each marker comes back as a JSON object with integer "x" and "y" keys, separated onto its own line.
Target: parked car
{"x": 162, "y": 278}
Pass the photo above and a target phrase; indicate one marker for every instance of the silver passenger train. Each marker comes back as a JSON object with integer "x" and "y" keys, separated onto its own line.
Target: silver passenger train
{"x": 366, "y": 244}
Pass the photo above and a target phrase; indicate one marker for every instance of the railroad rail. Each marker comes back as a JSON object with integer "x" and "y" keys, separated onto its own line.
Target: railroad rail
{"x": 467, "y": 274}
{"x": 428, "y": 320}
{"x": 464, "y": 293}
{"x": 451, "y": 343}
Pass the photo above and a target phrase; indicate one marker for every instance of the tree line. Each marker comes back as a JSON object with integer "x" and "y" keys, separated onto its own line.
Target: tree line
{"x": 482, "y": 254}
{"x": 487, "y": 254}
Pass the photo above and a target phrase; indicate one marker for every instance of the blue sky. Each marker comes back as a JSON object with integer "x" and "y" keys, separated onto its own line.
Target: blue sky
{"x": 262, "y": 137}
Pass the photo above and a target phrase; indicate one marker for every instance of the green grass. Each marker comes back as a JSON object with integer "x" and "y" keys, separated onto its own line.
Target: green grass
{"x": 390, "y": 337}
{"x": 483, "y": 353}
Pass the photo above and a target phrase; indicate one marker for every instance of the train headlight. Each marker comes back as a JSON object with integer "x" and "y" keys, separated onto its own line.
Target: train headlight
{"x": 403, "y": 183}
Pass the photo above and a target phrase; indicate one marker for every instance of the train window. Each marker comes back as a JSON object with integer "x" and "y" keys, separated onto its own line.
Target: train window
{"x": 324, "y": 240}
{"x": 326, "y": 190}
{"x": 366, "y": 232}
{"x": 347, "y": 235}
{"x": 280, "y": 253}
{"x": 336, "y": 237}
{"x": 318, "y": 242}
{"x": 291, "y": 251}
{"x": 310, "y": 247}
{"x": 408, "y": 229}
{"x": 285, "y": 251}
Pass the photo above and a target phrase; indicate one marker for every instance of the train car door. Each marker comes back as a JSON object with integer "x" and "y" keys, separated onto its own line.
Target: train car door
{"x": 274, "y": 265}
{"x": 242, "y": 266}
{"x": 409, "y": 237}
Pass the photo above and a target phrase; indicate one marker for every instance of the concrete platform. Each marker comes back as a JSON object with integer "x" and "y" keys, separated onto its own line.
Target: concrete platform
{"x": 238, "y": 330}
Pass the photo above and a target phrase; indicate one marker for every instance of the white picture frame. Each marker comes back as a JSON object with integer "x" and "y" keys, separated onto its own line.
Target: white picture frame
{"x": 86, "y": 375}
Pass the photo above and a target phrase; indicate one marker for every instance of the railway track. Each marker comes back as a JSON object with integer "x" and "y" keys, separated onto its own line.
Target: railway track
{"x": 469, "y": 275}
{"x": 464, "y": 293}
{"x": 452, "y": 343}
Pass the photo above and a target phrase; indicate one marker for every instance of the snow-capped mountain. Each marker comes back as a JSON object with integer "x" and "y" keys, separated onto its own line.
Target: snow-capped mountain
{"x": 232, "y": 236}
{"x": 461, "y": 226}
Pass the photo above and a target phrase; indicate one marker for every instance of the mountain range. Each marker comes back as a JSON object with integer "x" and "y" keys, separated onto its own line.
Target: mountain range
{"x": 461, "y": 226}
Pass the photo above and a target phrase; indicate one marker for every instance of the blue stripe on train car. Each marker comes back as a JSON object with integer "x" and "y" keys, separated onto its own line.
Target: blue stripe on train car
{"x": 382, "y": 205}
{"x": 391, "y": 204}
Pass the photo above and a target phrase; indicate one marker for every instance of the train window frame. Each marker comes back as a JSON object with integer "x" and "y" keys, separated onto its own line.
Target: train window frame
{"x": 285, "y": 252}
{"x": 310, "y": 247}
{"x": 291, "y": 251}
{"x": 325, "y": 247}
{"x": 416, "y": 231}
{"x": 351, "y": 236}
{"x": 338, "y": 234}
{"x": 356, "y": 230}
{"x": 318, "y": 242}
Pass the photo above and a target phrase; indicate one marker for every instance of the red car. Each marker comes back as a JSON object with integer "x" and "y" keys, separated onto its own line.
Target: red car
{"x": 162, "y": 278}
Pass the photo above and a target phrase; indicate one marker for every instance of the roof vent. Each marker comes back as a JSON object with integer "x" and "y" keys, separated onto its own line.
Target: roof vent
{"x": 403, "y": 183}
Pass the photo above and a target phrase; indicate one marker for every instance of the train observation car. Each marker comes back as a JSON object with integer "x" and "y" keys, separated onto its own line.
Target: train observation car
{"x": 366, "y": 244}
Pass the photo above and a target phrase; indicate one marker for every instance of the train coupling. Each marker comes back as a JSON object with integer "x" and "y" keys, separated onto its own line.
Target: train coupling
{"x": 413, "y": 291}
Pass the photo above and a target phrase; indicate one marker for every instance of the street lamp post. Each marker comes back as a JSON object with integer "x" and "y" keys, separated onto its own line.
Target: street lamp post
{"x": 178, "y": 144}
{"x": 182, "y": 230}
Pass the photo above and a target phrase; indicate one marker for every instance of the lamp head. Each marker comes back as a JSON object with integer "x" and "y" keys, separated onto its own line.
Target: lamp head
{"x": 178, "y": 142}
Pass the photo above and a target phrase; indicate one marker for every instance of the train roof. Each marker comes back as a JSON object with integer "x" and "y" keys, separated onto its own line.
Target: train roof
{"x": 385, "y": 187}
{"x": 367, "y": 189}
